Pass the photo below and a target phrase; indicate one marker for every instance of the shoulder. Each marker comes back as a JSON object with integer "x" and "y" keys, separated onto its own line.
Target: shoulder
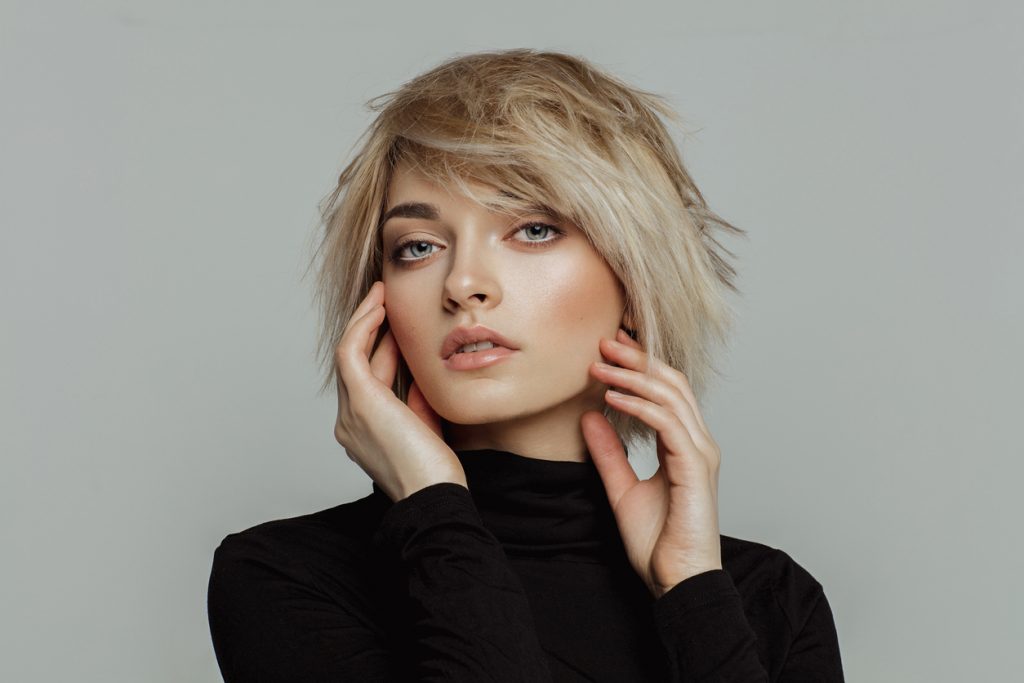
{"x": 302, "y": 547}
{"x": 770, "y": 579}
{"x": 289, "y": 596}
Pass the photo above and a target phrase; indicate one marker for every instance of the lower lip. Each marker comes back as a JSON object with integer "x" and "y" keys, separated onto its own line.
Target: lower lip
{"x": 477, "y": 359}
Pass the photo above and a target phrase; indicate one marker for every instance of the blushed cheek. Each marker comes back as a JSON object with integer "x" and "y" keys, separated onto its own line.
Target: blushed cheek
{"x": 589, "y": 307}
{"x": 412, "y": 339}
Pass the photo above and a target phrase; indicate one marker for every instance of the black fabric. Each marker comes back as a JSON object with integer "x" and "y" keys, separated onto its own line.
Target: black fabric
{"x": 520, "y": 577}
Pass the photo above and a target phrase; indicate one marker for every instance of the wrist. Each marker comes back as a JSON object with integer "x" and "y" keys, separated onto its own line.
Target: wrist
{"x": 659, "y": 588}
{"x": 411, "y": 488}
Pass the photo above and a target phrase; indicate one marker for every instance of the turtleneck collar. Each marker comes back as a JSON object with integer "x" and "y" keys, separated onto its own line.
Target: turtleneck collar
{"x": 543, "y": 508}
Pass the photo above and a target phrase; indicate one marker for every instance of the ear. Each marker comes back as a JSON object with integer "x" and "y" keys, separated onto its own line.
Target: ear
{"x": 629, "y": 324}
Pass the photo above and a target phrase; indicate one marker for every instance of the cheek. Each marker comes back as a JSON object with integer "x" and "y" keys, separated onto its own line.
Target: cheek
{"x": 584, "y": 304}
{"x": 406, "y": 324}
{"x": 580, "y": 304}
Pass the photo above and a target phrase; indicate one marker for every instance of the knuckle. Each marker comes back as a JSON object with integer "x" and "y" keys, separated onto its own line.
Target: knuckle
{"x": 676, "y": 398}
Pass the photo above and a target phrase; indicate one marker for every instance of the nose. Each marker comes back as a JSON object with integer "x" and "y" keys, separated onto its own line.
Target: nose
{"x": 472, "y": 281}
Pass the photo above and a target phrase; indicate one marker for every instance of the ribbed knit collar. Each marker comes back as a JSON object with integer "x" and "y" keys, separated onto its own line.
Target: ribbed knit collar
{"x": 542, "y": 508}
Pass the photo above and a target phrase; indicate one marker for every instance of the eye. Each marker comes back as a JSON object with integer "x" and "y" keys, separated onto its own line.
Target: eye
{"x": 397, "y": 258}
{"x": 396, "y": 254}
{"x": 537, "y": 243}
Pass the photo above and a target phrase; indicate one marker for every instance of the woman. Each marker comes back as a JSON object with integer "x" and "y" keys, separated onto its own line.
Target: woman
{"x": 518, "y": 281}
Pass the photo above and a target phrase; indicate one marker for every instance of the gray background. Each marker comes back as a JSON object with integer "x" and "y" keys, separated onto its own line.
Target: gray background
{"x": 161, "y": 165}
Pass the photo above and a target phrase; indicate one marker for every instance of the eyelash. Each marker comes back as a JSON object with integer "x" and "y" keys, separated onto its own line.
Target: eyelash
{"x": 405, "y": 262}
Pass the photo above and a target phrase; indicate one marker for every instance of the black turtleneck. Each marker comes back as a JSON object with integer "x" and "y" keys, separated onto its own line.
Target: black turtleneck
{"x": 520, "y": 577}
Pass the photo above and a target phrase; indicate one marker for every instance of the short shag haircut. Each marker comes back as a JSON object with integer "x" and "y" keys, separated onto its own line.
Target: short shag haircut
{"x": 552, "y": 130}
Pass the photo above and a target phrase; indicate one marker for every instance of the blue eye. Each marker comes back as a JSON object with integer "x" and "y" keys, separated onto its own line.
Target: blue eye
{"x": 396, "y": 254}
{"x": 538, "y": 225}
{"x": 411, "y": 243}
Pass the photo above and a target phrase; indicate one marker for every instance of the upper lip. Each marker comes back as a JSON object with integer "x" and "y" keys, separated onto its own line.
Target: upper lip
{"x": 461, "y": 336}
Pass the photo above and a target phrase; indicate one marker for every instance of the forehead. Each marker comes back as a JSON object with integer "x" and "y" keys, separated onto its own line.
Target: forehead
{"x": 409, "y": 186}
{"x": 408, "y": 183}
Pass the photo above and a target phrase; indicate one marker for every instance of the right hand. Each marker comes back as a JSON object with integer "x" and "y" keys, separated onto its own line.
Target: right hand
{"x": 399, "y": 446}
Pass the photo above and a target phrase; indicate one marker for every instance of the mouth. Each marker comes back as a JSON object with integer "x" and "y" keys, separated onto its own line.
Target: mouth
{"x": 476, "y": 358}
{"x": 474, "y": 340}
{"x": 477, "y": 346}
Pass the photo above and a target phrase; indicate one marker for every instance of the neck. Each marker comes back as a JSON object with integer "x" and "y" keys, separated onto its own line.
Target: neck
{"x": 550, "y": 434}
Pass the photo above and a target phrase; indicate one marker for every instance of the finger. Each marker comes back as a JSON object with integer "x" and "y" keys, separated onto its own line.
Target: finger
{"x": 622, "y": 336}
{"x": 371, "y": 337}
{"x": 356, "y": 331}
{"x": 672, "y": 432}
{"x": 384, "y": 363}
{"x": 351, "y": 354}
{"x": 656, "y": 390}
{"x": 373, "y": 298}
{"x": 609, "y": 456}
{"x": 626, "y": 356}
{"x": 633, "y": 356}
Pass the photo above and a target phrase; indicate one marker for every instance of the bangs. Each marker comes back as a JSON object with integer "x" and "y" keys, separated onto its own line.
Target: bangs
{"x": 512, "y": 187}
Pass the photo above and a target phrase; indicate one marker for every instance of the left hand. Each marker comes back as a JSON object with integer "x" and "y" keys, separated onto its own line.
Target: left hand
{"x": 668, "y": 523}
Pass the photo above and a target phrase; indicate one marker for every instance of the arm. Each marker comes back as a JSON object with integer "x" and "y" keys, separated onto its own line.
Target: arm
{"x": 470, "y": 617}
{"x": 707, "y": 636}
{"x": 701, "y": 623}
{"x": 814, "y": 655}
{"x": 270, "y": 623}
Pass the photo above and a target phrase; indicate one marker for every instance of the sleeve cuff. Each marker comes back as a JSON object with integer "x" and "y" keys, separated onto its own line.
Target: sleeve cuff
{"x": 696, "y": 591}
{"x": 705, "y": 631}
{"x": 443, "y": 502}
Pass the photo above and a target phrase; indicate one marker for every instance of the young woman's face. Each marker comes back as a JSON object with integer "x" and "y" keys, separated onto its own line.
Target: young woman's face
{"x": 537, "y": 282}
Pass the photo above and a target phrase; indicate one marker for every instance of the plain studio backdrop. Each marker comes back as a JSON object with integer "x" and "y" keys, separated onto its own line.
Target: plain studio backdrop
{"x": 161, "y": 164}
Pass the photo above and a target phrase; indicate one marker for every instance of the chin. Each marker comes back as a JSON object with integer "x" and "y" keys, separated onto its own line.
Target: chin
{"x": 464, "y": 413}
{"x": 464, "y": 406}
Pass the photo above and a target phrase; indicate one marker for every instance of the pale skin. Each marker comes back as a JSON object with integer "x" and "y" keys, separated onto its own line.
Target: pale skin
{"x": 562, "y": 305}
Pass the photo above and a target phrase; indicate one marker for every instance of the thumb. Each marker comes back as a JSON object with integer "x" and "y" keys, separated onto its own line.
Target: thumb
{"x": 608, "y": 454}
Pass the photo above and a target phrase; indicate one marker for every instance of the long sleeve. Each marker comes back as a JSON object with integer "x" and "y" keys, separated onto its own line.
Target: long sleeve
{"x": 706, "y": 635}
{"x": 270, "y": 622}
{"x": 521, "y": 576}
{"x": 814, "y": 655}
{"x": 470, "y": 618}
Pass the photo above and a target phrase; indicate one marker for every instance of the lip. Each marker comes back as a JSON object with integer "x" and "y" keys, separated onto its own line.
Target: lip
{"x": 462, "y": 335}
{"x": 478, "y": 359}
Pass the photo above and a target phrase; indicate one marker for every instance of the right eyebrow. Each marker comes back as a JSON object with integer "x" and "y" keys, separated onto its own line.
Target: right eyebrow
{"x": 412, "y": 210}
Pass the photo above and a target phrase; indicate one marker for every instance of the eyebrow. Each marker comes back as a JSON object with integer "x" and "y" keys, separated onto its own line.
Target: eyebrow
{"x": 430, "y": 212}
{"x": 412, "y": 210}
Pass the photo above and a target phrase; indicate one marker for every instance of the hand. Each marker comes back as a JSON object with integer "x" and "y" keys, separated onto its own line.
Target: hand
{"x": 400, "y": 446}
{"x": 668, "y": 523}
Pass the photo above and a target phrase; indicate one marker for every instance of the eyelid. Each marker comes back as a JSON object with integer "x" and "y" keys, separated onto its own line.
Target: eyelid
{"x": 559, "y": 234}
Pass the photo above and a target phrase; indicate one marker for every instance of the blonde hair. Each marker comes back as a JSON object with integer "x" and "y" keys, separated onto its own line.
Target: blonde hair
{"x": 550, "y": 130}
